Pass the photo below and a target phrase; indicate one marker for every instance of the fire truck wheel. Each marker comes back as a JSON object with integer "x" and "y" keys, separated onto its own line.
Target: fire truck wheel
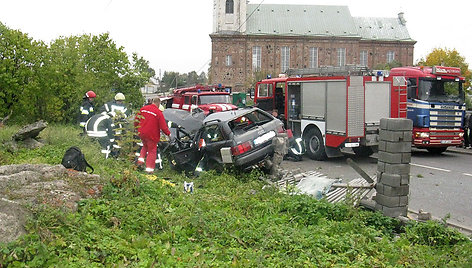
{"x": 314, "y": 144}
{"x": 436, "y": 150}
{"x": 363, "y": 151}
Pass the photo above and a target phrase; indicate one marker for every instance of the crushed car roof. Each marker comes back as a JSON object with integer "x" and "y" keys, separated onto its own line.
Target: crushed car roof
{"x": 228, "y": 115}
{"x": 191, "y": 122}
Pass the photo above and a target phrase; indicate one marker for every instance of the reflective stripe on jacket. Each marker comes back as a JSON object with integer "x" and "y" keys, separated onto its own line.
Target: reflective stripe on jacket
{"x": 100, "y": 125}
{"x": 86, "y": 112}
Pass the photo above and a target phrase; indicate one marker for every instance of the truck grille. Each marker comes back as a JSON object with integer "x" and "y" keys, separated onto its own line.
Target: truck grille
{"x": 437, "y": 134}
{"x": 442, "y": 118}
{"x": 443, "y": 113}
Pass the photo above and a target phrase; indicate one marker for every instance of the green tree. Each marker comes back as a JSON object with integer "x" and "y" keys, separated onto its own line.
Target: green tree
{"x": 450, "y": 58}
{"x": 48, "y": 82}
{"x": 388, "y": 66}
{"x": 171, "y": 80}
{"x": 176, "y": 80}
{"x": 19, "y": 60}
{"x": 256, "y": 77}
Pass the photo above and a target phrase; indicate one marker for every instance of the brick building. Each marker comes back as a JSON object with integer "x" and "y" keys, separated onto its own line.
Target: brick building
{"x": 269, "y": 39}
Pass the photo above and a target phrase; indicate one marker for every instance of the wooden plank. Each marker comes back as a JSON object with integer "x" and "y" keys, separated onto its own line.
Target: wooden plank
{"x": 359, "y": 170}
{"x": 349, "y": 185}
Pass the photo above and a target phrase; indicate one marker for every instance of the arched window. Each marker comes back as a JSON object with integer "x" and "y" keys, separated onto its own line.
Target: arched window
{"x": 229, "y": 6}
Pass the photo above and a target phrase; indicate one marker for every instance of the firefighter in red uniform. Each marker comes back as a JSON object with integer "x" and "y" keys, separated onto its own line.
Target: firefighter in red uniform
{"x": 150, "y": 121}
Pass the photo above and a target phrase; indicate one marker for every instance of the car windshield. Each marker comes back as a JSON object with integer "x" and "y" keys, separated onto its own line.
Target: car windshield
{"x": 219, "y": 98}
{"x": 249, "y": 120}
{"x": 441, "y": 91}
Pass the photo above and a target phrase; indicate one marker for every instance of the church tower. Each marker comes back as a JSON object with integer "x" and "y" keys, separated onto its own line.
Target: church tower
{"x": 229, "y": 16}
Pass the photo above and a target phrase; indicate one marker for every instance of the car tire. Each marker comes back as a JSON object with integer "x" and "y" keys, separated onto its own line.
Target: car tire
{"x": 363, "y": 151}
{"x": 314, "y": 144}
{"x": 436, "y": 150}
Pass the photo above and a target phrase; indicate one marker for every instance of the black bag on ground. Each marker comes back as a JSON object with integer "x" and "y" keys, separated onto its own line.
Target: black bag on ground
{"x": 75, "y": 159}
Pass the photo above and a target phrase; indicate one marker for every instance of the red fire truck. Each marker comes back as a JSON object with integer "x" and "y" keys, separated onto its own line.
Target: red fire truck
{"x": 215, "y": 98}
{"x": 331, "y": 109}
{"x": 436, "y": 105}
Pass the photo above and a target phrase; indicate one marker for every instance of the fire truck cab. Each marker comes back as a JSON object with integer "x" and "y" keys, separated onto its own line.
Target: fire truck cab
{"x": 215, "y": 98}
{"x": 436, "y": 104}
{"x": 331, "y": 112}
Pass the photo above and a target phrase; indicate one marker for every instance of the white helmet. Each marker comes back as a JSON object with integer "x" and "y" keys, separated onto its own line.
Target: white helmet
{"x": 119, "y": 97}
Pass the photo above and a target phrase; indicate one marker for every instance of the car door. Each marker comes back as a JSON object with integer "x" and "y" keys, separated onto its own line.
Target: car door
{"x": 211, "y": 140}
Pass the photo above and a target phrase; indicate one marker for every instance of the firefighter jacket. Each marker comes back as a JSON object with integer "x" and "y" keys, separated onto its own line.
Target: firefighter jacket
{"x": 115, "y": 108}
{"x": 100, "y": 126}
{"x": 86, "y": 112}
{"x": 150, "y": 121}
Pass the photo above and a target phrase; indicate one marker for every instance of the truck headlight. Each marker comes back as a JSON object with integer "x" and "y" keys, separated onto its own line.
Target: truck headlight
{"x": 422, "y": 134}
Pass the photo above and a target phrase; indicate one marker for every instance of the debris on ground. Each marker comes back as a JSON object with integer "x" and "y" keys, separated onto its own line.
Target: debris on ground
{"x": 316, "y": 184}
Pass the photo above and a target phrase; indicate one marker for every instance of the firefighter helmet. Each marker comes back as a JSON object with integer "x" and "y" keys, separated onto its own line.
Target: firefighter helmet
{"x": 90, "y": 94}
{"x": 119, "y": 97}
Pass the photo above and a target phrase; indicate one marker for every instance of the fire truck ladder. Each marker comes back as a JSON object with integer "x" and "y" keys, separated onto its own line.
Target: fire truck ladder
{"x": 402, "y": 96}
{"x": 330, "y": 71}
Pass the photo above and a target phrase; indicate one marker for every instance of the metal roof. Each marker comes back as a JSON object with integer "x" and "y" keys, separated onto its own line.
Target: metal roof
{"x": 385, "y": 29}
{"x": 321, "y": 20}
{"x": 296, "y": 20}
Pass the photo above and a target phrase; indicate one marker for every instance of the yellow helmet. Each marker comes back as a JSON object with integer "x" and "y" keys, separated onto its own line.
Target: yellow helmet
{"x": 119, "y": 97}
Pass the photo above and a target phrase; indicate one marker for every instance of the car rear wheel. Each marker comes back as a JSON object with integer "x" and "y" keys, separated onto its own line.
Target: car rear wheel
{"x": 314, "y": 144}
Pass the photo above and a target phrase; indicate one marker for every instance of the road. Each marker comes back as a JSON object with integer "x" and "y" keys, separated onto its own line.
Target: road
{"x": 440, "y": 184}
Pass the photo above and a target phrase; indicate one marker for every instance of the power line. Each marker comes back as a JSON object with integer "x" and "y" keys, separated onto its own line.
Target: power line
{"x": 201, "y": 68}
{"x": 250, "y": 15}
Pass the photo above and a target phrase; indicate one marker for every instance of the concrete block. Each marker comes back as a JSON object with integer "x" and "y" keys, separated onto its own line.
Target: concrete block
{"x": 394, "y": 158}
{"x": 398, "y": 147}
{"x": 379, "y": 188}
{"x": 396, "y": 124}
{"x": 424, "y": 216}
{"x": 404, "y": 200}
{"x": 380, "y": 167}
{"x": 402, "y": 190}
{"x": 408, "y": 136}
{"x": 394, "y": 212}
{"x": 378, "y": 207}
{"x": 398, "y": 169}
{"x": 405, "y": 180}
{"x": 393, "y": 180}
{"x": 394, "y": 136}
{"x": 382, "y": 146}
{"x": 391, "y": 201}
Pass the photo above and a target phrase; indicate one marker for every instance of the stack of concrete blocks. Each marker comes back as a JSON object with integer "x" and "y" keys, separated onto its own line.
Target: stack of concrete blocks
{"x": 393, "y": 170}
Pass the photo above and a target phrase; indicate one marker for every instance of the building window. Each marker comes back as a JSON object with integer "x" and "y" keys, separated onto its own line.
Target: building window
{"x": 313, "y": 57}
{"x": 285, "y": 64}
{"x": 265, "y": 90}
{"x": 341, "y": 56}
{"x": 363, "y": 58}
{"x": 229, "y": 60}
{"x": 256, "y": 58}
{"x": 390, "y": 56}
{"x": 229, "y": 6}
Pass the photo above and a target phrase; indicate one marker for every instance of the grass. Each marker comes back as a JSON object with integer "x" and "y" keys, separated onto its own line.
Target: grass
{"x": 229, "y": 220}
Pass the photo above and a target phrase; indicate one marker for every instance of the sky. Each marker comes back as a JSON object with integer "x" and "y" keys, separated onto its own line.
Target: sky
{"x": 174, "y": 35}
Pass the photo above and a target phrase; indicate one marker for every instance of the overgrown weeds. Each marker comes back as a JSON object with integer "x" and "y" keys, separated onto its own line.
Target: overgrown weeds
{"x": 229, "y": 219}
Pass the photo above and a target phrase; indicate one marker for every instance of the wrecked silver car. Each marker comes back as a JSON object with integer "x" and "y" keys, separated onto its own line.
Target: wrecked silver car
{"x": 241, "y": 138}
